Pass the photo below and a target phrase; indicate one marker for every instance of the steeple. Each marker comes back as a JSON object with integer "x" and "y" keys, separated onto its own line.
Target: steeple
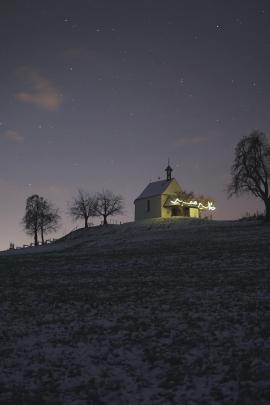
{"x": 169, "y": 170}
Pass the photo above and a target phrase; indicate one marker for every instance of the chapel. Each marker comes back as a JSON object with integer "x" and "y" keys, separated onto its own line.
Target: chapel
{"x": 162, "y": 199}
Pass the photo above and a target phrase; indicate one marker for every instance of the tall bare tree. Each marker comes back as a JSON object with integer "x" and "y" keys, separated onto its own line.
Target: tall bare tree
{"x": 40, "y": 217}
{"x": 250, "y": 172}
{"x": 31, "y": 217}
{"x": 108, "y": 204}
{"x": 49, "y": 219}
{"x": 83, "y": 207}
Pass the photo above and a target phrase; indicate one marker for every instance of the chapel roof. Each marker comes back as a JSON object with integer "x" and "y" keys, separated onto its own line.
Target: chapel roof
{"x": 154, "y": 188}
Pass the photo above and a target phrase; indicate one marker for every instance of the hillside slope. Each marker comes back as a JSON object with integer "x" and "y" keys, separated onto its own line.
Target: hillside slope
{"x": 157, "y": 313}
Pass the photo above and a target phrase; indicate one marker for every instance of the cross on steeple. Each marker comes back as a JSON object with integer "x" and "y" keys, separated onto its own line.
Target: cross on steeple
{"x": 169, "y": 170}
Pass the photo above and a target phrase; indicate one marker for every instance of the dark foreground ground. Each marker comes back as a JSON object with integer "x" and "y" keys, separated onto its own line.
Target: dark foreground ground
{"x": 175, "y": 313}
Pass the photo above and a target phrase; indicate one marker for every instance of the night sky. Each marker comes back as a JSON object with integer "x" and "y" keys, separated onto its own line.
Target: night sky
{"x": 99, "y": 94}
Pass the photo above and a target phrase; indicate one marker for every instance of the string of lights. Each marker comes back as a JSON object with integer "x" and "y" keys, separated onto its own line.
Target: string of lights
{"x": 199, "y": 205}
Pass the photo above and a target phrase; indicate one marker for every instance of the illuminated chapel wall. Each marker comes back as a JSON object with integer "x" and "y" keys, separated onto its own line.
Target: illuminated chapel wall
{"x": 141, "y": 208}
{"x": 172, "y": 189}
{"x": 194, "y": 212}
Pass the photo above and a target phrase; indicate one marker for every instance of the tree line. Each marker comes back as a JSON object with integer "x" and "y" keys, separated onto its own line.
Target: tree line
{"x": 41, "y": 217}
{"x": 250, "y": 173}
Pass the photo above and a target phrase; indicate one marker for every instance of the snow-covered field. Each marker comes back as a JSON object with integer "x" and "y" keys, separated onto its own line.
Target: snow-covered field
{"x": 161, "y": 313}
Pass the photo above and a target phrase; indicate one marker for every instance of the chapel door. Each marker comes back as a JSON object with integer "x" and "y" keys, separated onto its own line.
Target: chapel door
{"x": 176, "y": 212}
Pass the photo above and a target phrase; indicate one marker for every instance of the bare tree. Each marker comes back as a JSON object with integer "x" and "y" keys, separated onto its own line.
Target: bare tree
{"x": 108, "y": 204}
{"x": 31, "y": 217}
{"x": 186, "y": 195}
{"x": 83, "y": 207}
{"x": 40, "y": 216}
{"x": 205, "y": 200}
{"x": 49, "y": 219}
{"x": 250, "y": 172}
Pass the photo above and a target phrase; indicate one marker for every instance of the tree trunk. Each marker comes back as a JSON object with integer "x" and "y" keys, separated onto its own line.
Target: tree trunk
{"x": 85, "y": 222}
{"x": 36, "y": 238}
{"x": 42, "y": 236}
{"x": 105, "y": 220}
{"x": 267, "y": 211}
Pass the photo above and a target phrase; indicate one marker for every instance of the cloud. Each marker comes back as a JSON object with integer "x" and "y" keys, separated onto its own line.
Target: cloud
{"x": 12, "y": 136}
{"x": 40, "y": 91}
{"x": 193, "y": 140}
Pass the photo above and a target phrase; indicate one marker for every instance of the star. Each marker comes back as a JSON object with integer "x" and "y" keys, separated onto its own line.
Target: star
{"x": 219, "y": 27}
{"x": 181, "y": 81}
{"x": 238, "y": 21}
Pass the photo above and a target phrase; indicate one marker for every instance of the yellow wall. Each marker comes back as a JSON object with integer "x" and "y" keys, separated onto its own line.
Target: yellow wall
{"x": 194, "y": 213}
{"x": 173, "y": 188}
{"x": 141, "y": 208}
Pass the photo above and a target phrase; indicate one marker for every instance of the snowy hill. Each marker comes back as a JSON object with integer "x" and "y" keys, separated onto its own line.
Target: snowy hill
{"x": 152, "y": 313}
{"x": 146, "y": 233}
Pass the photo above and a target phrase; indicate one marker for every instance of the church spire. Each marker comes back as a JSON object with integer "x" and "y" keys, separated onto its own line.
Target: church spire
{"x": 169, "y": 170}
